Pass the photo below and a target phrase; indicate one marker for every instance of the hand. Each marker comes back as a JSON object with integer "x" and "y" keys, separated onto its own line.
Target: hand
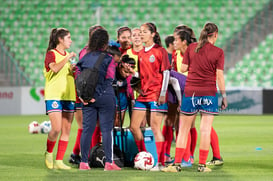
{"x": 72, "y": 54}
{"x": 161, "y": 100}
{"x": 224, "y": 103}
{"x": 132, "y": 103}
{"x": 179, "y": 106}
{"x": 85, "y": 103}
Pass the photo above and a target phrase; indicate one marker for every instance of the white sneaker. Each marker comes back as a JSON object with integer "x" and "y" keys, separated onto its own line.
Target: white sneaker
{"x": 158, "y": 167}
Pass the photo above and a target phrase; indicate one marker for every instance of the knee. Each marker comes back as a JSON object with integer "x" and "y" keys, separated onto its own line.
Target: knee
{"x": 205, "y": 130}
{"x": 55, "y": 132}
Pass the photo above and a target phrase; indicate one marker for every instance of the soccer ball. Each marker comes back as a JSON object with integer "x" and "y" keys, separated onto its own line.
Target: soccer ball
{"x": 34, "y": 127}
{"x": 144, "y": 161}
{"x": 45, "y": 127}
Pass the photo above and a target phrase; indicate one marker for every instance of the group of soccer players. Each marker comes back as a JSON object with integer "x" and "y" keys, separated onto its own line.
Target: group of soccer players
{"x": 167, "y": 90}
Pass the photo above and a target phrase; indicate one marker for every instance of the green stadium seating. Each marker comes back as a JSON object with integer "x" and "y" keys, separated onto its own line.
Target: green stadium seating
{"x": 255, "y": 69}
{"x": 25, "y": 25}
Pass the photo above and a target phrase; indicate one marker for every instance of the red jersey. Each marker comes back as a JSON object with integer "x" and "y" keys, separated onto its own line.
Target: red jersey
{"x": 151, "y": 65}
{"x": 201, "y": 80}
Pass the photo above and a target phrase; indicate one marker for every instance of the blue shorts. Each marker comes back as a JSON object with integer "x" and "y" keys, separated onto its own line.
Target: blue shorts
{"x": 123, "y": 102}
{"x": 206, "y": 104}
{"x": 150, "y": 106}
{"x": 59, "y": 106}
{"x": 78, "y": 106}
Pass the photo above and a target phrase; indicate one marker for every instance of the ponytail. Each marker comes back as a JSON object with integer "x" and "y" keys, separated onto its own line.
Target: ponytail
{"x": 52, "y": 40}
{"x": 184, "y": 35}
{"x": 157, "y": 39}
{"x": 208, "y": 31}
{"x": 55, "y": 34}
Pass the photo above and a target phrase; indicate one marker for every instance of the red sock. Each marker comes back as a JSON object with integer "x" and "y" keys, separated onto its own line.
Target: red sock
{"x": 187, "y": 153}
{"x": 61, "y": 149}
{"x": 179, "y": 152}
{"x": 160, "y": 151}
{"x": 50, "y": 145}
{"x": 76, "y": 149}
{"x": 167, "y": 132}
{"x": 203, "y": 155}
{"x": 140, "y": 145}
{"x": 193, "y": 132}
{"x": 214, "y": 142}
{"x": 96, "y": 136}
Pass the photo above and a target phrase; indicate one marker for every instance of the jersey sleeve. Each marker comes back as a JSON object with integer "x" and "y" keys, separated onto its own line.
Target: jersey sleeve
{"x": 186, "y": 57}
{"x": 49, "y": 58}
{"x": 221, "y": 61}
{"x": 165, "y": 61}
{"x": 111, "y": 70}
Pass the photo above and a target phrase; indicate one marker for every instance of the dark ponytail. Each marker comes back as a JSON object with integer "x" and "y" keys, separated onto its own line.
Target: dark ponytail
{"x": 208, "y": 31}
{"x": 188, "y": 30}
{"x": 152, "y": 28}
{"x": 98, "y": 41}
{"x": 55, "y": 34}
{"x": 183, "y": 35}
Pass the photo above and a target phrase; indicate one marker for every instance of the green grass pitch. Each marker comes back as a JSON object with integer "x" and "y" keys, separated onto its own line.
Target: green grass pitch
{"x": 22, "y": 154}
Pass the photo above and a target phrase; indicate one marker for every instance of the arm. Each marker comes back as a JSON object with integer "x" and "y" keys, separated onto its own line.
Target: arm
{"x": 221, "y": 85}
{"x": 186, "y": 61}
{"x": 56, "y": 67}
{"x": 164, "y": 88}
{"x": 175, "y": 84}
{"x": 184, "y": 68}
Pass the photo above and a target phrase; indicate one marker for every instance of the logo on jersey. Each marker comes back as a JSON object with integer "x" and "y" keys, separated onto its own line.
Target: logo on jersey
{"x": 55, "y": 104}
{"x": 152, "y": 58}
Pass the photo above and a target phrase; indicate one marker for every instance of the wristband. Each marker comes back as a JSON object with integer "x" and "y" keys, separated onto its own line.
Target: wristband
{"x": 224, "y": 95}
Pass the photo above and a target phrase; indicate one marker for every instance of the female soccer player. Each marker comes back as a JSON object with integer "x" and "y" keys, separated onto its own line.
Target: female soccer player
{"x": 154, "y": 74}
{"x": 75, "y": 155}
{"x": 102, "y": 106}
{"x": 182, "y": 40}
{"x": 205, "y": 63}
{"x": 124, "y": 38}
{"x": 133, "y": 52}
{"x": 59, "y": 94}
{"x": 136, "y": 46}
{"x": 217, "y": 159}
{"x": 124, "y": 91}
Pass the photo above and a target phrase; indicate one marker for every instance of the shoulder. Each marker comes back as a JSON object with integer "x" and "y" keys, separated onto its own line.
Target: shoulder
{"x": 50, "y": 54}
{"x": 107, "y": 57}
{"x": 193, "y": 45}
{"x": 160, "y": 49}
{"x": 216, "y": 49}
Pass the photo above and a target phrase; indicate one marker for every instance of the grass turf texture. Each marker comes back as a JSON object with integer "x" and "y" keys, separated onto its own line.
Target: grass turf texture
{"x": 241, "y": 137}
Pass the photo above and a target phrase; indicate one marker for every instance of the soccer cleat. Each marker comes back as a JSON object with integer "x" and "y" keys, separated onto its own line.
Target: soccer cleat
{"x": 175, "y": 167}
{"x": 111, "y": 166}
{"x": 59, "y": 164}
{"x": 185, "y": 164}
{"x": 203, "y": 168}
{"x": 192, "y": 159}
{"x": 157, "y": 167}
{"x": 168, "y": 159}
{"x": 216, "y": 162}
{"x": 75, "y": 159}
{"x": 84, "y": 166}
{"x": 49, "y": 160}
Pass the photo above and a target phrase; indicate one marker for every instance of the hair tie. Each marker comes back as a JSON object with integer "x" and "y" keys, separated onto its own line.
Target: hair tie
{"x": 153, "y": 28}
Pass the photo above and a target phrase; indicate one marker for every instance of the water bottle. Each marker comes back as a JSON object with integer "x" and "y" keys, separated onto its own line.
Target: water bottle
{"x": 73, "y": 60}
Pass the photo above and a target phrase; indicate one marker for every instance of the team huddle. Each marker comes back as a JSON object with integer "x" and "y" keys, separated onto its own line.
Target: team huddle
{"x": 136, "y": 74}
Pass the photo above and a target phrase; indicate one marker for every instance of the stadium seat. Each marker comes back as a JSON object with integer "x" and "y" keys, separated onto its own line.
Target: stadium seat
{"x": 37, "y": 17}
